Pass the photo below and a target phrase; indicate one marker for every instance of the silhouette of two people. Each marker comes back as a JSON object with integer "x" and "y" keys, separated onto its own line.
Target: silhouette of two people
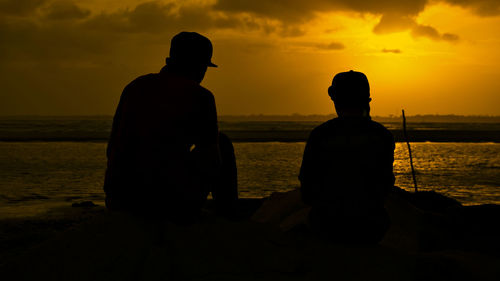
{"x": 165, "y": 153}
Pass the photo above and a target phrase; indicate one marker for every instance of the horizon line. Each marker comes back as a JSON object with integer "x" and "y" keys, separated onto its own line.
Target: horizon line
{"x": 259, "y": 114}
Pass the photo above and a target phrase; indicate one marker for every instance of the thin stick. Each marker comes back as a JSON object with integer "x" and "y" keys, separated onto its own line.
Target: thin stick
{"x": 409, "y": 151}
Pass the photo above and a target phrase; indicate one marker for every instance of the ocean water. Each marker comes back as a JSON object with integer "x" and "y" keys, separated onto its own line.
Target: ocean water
{"x": 36, "y": 176}
{"x": 97, "y": 128}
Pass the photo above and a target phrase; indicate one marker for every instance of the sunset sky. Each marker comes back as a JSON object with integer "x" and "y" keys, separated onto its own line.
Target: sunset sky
{"x": 62, "y": 57}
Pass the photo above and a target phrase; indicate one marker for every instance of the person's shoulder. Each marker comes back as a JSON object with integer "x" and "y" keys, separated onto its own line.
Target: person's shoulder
{"x": 205, "y": 94}
{"x": 376, "y": 125}
{"x": 204, "y": 91}
{"x": 136, "y": 86}
{"x": 324, "y": 127}
{"x": 141, "y": 82}
{"x": 381, "y": 129}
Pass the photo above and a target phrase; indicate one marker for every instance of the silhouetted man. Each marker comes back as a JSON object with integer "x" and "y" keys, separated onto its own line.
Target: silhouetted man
{"x": 347, "y": 166}
{"x": 165, "y": 153}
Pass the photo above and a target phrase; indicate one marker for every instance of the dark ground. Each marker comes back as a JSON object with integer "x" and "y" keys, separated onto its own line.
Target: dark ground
{"x": 431, "y": 242}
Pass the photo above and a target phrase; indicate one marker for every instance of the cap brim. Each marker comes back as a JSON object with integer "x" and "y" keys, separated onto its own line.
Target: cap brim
{"x": 210, "y": 64}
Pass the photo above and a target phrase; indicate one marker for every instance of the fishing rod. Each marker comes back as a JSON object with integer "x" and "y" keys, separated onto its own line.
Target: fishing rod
{"x": 409, "y": 152}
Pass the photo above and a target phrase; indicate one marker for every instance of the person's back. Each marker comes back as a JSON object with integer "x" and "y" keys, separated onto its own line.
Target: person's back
{"x": 347, "y": 170}
{"x": 163, "y": 153}
{"x": 159, "y": 118}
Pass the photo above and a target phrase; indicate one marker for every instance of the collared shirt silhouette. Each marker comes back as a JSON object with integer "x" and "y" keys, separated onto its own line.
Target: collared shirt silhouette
{"x": 347, "y": 168}
{"x": 165, "y": 153}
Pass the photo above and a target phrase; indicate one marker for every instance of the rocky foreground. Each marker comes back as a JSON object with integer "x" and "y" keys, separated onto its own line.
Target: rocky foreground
{"x": 431, "y": 238}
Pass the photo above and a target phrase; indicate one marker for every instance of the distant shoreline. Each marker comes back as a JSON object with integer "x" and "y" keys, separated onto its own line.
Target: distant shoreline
{"x": 286, "y": 136}
{"x": 249, "y": 129}
{"x": 431, "y": 118}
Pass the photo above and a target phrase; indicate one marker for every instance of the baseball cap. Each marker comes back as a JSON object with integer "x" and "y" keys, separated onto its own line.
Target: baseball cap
{"x": 350, "y": 87}
{"x": 191, "y": 47}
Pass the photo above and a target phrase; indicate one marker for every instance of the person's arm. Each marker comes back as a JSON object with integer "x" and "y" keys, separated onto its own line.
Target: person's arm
{"x": 117, "y": 142}
{"x": 388, "y": 165}
{"x": 383, "y": 171}
{"x": 208, "y": 142}
{"x": 309, "y": 171}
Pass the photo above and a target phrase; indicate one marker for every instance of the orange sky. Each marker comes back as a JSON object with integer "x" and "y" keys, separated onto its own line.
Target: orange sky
{"x": 62, "y": 57}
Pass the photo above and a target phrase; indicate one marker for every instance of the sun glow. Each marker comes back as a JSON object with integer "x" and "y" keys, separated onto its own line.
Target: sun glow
{"x": 275, "y": 57}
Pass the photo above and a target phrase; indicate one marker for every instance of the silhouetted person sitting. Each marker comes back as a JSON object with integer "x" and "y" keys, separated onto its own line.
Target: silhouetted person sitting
{"x": 347, "y": 167}
{"x": 165, "y": 153}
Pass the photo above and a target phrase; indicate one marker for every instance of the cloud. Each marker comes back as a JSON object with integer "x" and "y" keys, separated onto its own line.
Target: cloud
{"x": 390, "y": 23}
{"x": 480, "y": 7}
{"x": 148, "y": 17}
{"x": 19, "y": 7}
{"x": 431, "y": 33}
{"x": 65, "y": 11}
{"x": 72, "y": 32}
{"x": 299, "y": 10}
{"x": 412, "y": 7}
{"x": 331, "y": 46}
{"x": 397, "y": 16}
{"x": 284, "y": 10}
{"x": 157, "y": 18}
{"x": 394, "y": 51}
{"x": 68, "y": 34}
{"x": 425, "y": 31}
{"x": 283, "y": 17}
{"x": 450, "y": 37}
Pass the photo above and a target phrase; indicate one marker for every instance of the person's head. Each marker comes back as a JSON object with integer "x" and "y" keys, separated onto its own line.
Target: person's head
{"x": 350, "y": 93}
{"x": 190, "y": 55}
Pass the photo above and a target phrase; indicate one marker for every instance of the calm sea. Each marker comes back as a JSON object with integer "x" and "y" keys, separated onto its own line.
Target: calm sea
{"x": 38, "y": 175}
